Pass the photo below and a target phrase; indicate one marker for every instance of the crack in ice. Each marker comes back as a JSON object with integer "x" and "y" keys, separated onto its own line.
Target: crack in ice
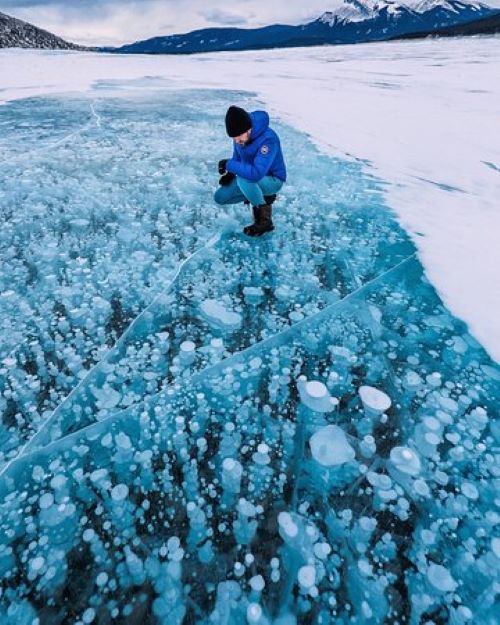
{"x": 95, "y": 118}
{"x": 50, "y": 420}
{"x": 199, "y": 376}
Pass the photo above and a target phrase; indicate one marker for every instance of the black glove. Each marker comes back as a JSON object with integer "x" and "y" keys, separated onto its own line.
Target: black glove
{"x": 222, "y": 166}
{"x": 226, "y": 179}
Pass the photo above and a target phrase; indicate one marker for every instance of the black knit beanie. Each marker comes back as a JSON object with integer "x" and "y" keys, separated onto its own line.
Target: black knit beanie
{"x": 238, "y": 121}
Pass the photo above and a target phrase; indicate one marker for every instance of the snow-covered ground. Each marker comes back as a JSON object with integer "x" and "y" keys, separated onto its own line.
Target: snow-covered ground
{"x": 423, "y": 114}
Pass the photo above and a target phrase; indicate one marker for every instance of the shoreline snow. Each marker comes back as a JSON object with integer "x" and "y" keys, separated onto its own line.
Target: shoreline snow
{"x": 421, "y": 114}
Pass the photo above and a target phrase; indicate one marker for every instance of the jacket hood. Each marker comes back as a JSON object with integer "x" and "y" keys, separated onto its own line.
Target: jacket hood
{"x": 260, "y": 123}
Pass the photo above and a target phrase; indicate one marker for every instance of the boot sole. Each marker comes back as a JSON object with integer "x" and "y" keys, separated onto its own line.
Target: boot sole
{"x": 259, "y": 234}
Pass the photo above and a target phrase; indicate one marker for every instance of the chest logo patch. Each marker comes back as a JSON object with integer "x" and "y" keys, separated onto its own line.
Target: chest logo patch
{"x": 264, "y": 149}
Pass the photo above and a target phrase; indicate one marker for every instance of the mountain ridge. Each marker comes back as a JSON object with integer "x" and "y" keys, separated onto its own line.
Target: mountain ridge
{"x": 16, "y": 33}
{"x": 355, "y": 21}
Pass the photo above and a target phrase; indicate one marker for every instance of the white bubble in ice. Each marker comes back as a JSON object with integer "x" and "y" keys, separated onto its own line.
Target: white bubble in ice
{"x": 173, "y": 544}
{"x": 253, "y": 294}
{"x": 246, "y": 508}
{"x": 495, "y": 546}
{"x": 322, "y": 550}
{"x": 100, "y": 477}
{"x": 58, "y": 482}
{"x": 379, "y": 480}
{"x": 330, "y": 447}
{"x": 315, "y": 395}
{"x": 405, "y": 460}
{"x": 108, "y": 397}
{"x": 218, "y": 315}
{"x": 119, "y": 492}
{"x": 89, "y": 615}
{"x": 107, "y": 440}
{"x": 254, "y": 613}
{"x": 307, "y": 576}
{"x": 88, "y": 535}
{"x": 440, "y": 578}
{"x": 316, "y": 390}
{"x": 432, "y": 424}
{"x": 123, "y": 441}
{"x": 421, "y": 488}
{"x": 187, "y": 347}
{"x": 46, "y": 500}
{"x": 261, "y": 456}
{"x": 257, "y": 583}
{"x": 434, "y": 379}
{"x": 448, "y": 404}
{"x": 374, "y": 401}
{"x": 37, "y": 563}
{"x": 469, "y": 490}
{"x": 287, "y": 524}
{"x": 228, "y": 464}
{"x": 412, "y": 381}
{"x": 187, "y": 352}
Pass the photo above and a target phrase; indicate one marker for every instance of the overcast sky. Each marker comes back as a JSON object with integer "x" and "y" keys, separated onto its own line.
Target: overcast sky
{"x": 109, "y": 22}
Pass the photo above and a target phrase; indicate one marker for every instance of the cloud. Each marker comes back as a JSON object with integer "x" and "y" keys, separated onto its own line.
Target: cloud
{"x": 222, "y": 17}
{"x": 114, "y": 22}
{"x": 77, "y": 5}
{"x": 101, "y": 22}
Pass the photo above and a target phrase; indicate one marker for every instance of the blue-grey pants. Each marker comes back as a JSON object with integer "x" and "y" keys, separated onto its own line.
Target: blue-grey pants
{"x": 240, "y": 189}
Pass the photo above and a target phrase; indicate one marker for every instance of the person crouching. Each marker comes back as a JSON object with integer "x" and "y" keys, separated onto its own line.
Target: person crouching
{"x": 256, "y": 171}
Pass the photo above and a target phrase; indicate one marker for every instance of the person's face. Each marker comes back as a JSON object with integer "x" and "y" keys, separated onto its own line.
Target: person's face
{"x": 242, "y": 139}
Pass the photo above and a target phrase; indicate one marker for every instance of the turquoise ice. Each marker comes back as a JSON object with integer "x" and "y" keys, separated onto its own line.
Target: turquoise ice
{"x": 201, "y": 428}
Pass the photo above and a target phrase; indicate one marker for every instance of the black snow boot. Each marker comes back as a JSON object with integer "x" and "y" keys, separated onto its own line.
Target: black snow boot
{"x": 263, "y": 221}
{"x": 269, "y": 199}
{"x": 249, "y": 227}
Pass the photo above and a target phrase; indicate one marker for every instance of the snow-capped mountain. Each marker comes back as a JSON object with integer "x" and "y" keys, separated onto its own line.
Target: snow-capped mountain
{"x": 429, "y": 5}
{"x": 15, "y": 33}
{"x": 354, "y": 21}
{"x": 359, "y": 11}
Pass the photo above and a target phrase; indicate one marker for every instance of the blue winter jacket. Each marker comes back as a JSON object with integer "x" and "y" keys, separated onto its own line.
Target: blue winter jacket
{"x": 262, "y": 156}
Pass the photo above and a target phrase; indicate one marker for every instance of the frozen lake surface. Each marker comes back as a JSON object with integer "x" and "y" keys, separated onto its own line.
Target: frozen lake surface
{"x": 202, "y": 428}
{"x": 419, "y": 114}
